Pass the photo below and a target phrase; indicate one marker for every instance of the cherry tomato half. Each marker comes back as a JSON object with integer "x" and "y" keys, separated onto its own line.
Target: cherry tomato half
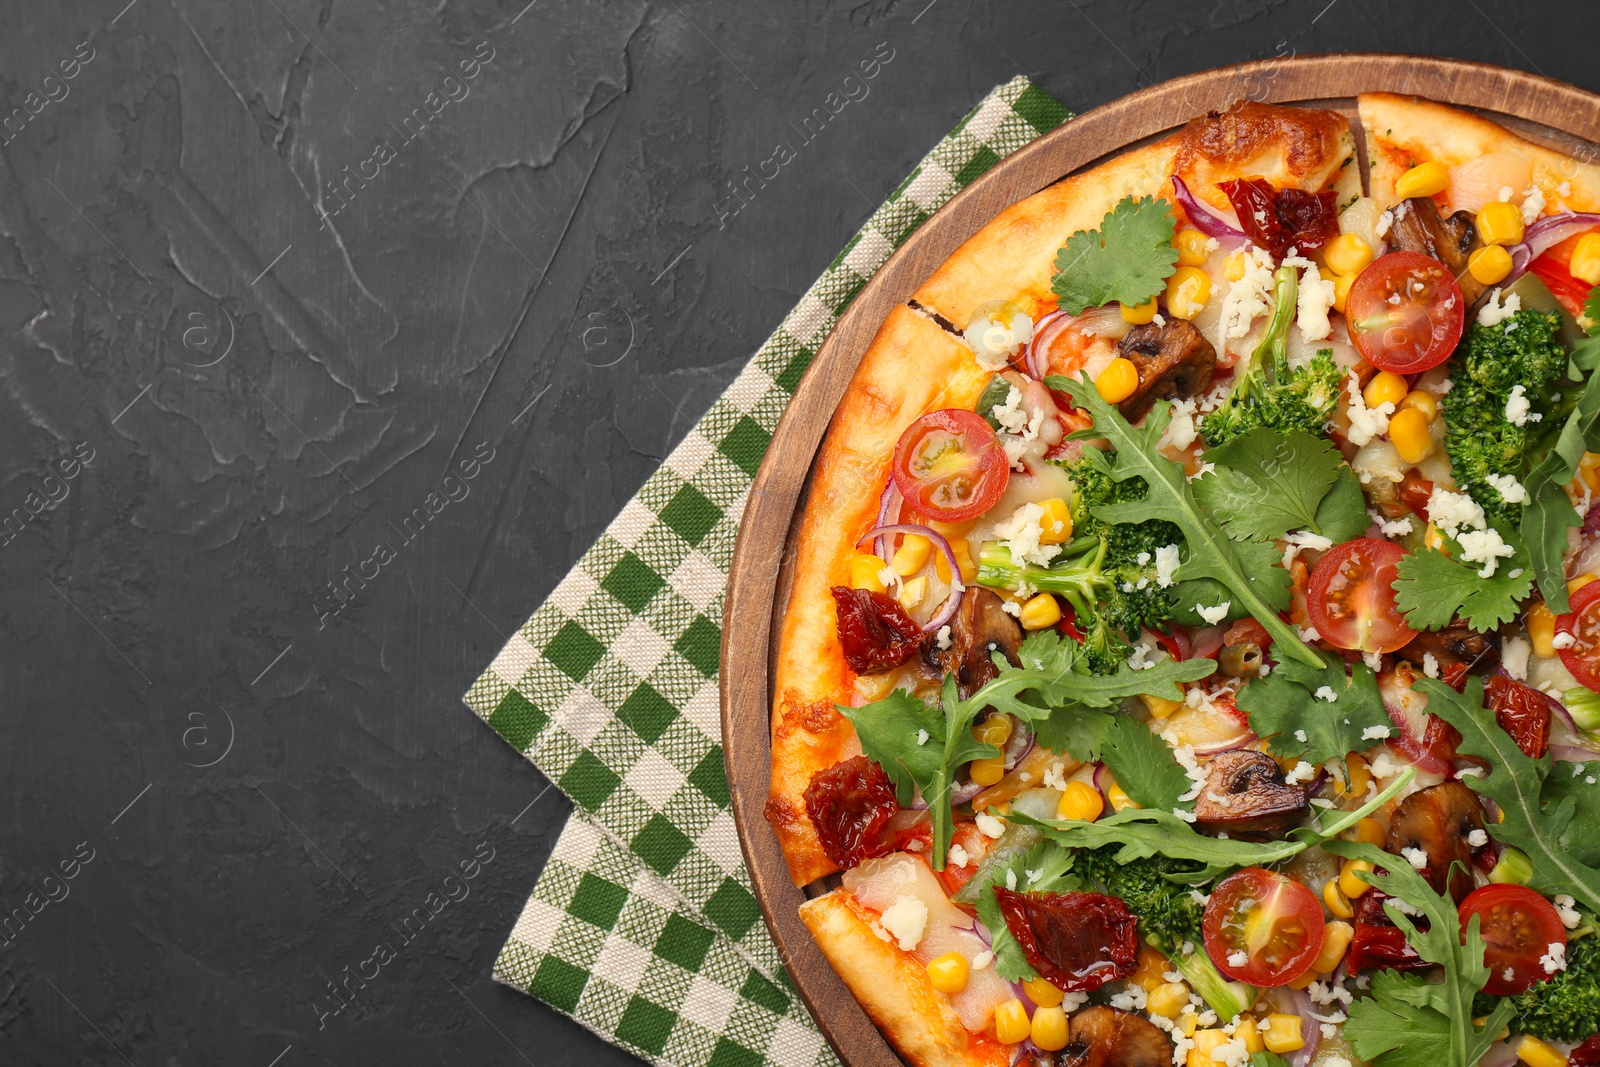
{"x": 950, "y": 465}
{"x": 1582, "y": 657}
{"x": 1263, "y": 928}
{"x": 1517, "y": 926}
{"x": 1350, "y": 599}
{"x": 1406, "y": 312}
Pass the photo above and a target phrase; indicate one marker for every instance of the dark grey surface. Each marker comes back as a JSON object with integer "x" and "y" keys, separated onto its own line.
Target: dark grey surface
{"x": 172, "y": 608}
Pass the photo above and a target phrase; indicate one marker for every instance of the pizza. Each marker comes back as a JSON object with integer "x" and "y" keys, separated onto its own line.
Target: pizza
{"x": 1193, "y": 652}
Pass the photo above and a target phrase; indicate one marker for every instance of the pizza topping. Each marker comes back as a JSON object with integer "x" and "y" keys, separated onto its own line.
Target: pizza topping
{"x": 851, "y": 804}
{"x": 1246, "y": 796}
{"x": 875, "y": 632}
{"x": 979, "y": 627}
{"x": 1078, "y": 941}
{"x": 1406, "y": 312}
{"x": 1174, "y": 362}
{"x": 1281, "y": 219}
{"x": 949, "y": 465}
{"x": 1128, "y": 260}
{"x": 1100, "y": 1036}
{"x": 1439, "y": 821}
{"x": 1523, "y": 712}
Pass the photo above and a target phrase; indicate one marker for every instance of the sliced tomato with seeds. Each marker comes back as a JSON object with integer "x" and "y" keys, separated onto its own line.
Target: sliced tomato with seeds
{"x": 1405, "y": 312}
{"x": 1350, "y": 599}
{"x": 1517, "y": 926}
{"x": 949, "y": 465}
{"x": 1263, "y": 928}
{"x": 1582, "y": 624}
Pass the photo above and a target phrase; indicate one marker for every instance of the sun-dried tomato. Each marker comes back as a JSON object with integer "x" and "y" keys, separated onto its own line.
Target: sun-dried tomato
{"x": 1522, "y": 712}
{"x": 1280, "y": 219}
{"x": 1383, "y": 947}
{"x": 850, "y": 804}
{"x": 1415, "y": 492}
{"x": 1076, "y": 941}
{"x": 1586, "y": 1054}
{"x": 874, "y": 630}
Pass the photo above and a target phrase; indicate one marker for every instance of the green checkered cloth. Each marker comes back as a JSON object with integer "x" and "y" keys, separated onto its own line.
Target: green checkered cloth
{"x": 643, "y": 927}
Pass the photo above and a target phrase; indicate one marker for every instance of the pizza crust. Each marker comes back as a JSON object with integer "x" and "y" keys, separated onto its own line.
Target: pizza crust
{"x": 1402, "y": 131}
{"x": 895, "y": 990}
{"x": 912, "y": 367}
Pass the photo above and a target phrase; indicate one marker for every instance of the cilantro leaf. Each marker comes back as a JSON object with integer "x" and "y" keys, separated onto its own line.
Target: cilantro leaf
{"x": 1045, "y": 868}
{"x": 1431, "y": 588}
{"x": 1283, "y": 707}
{"x": 1342, "y": 515}
{"x": 1408, "y": 1022}
{"x": 1255, "y": 582}
{"x": 1591, "y": 310}
{"x": 1128, "y": 259}
{"x": 1548, "y": 513}
{"x": 1267, "y": 483}
{"x": 1143, "y": 764}
{"x": 1550, "y": 834}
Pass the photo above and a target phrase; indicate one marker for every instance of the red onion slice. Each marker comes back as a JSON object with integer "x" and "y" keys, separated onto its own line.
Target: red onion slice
{"x": 1205, "y": 220}
{"x": 1545, "y": 234}
{"x": 956, "y": 588}
{"x": 1206, "y": 643}
{"x": 1573, "y": 754}
{"x": 1310, "y": 1028}
{"x": 888, "y": 512}
{"x": 1102, "y": 780}
{"x": 962, "y": 792}
{"x": 1044, "y": 332}
{"x": 1019, "y": 744}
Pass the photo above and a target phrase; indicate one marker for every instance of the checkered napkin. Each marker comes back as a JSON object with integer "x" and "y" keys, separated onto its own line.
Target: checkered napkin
{"x": 643, "y": 926}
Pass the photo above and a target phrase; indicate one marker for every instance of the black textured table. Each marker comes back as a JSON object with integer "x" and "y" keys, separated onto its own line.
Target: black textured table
{"x": 331, "y": 333}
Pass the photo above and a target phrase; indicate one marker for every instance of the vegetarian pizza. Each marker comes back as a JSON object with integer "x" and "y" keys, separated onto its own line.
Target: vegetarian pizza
{"x": 1194, "y": 648}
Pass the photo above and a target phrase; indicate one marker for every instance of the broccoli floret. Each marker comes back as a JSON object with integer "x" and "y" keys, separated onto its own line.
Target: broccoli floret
{"x": 1567, "y": 1007}
{"x": 1488, "y": 365}
{"x": 1107, "y": 572}
{"x": 1267, "y": 391}
{"x": 1169, "y": 920}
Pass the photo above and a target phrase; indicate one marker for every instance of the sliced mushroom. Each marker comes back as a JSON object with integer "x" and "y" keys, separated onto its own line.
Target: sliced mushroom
{"x": 1099, "y": 1036}
{"x": 1174, "y": 362}
{"x": 979, "y": 625}
{"x": 1438, "y": 820}
{"x": 1246, "y": 796}
{"x": 1456, "y": 643}
{"x": 1418, "y": 227}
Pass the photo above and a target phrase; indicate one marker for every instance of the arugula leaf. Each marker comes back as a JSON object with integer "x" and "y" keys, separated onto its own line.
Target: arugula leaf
{"x": 1046, "y": 868}
{"x": 1568, "y": 781}
{"x": 1591, "y": 310}
{"x": 1342, "y": 515}
{"x": 1128, "y": 259}
{"x": 1548, "y": 513}
{"x": 1552, "y": 837}
{"x": 1267, "y": 483}
{"x": 1255, "y": 583}
{"x": 1139, "y": 833}
{"x": 1284, "y": 709}
{"x": 1431, "y": 588}
{"x": 1408, "y": 1022}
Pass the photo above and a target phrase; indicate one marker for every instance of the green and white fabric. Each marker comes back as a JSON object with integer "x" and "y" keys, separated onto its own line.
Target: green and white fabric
{"x": 643, "y": 926}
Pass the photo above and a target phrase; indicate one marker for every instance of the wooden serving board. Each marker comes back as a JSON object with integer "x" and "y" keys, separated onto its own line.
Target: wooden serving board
{"x": 1560, "y": 115}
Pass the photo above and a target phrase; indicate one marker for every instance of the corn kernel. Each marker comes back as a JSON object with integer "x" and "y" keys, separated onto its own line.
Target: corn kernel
{"x": 1118, "y": 381}
{"x": 1233, "y": 267}
{"x": 1246, "y": 1031}
{"x": 949, "y": 972}
{"x": 1188, "y": 1022}
{"x": 1140, "y": 315}
{"x": 1168, "y": 1000}
{"x": 1386, "y": 387}
{"x": 1409, "y": 433}
{"x": 987, "y": 772}
{"x": 961, "y": 548}
{"x": 1160, "y": 707}
{"x": 1347, "y": 254}
{"x": 1432, "y": 538}
{"x": 1042, "y": 992}
{"x": 1341, "y": 291}
{"x": 1187, "y": 292}
{"x": 1338, "y": 904}
{"x": 1541, "y": 623}
{"x": 912, "y": 590}
{"x": 1585, "y": 264}
{"x": 1193, "y": 250}
{"x": 1368, "y": 831}
{"x": 1281, "y": 1033}
{"x": 1151, "y": 972}
{"x": 1357, "y": 777}
{"x": 866, "y": 572}
{"x": 1311, "y": 975}
{"x": 1205, "y": 1043}
{"x": 1119, "y": 799}
{"x": 911, "y": 555}
{"x": 1080, "y": 801}
{"x": 1349, "y": 883}
{"x": 1011, "y": 1022}
{"x": 1489, "y": 264}
{"x": 1335, "y": 939}
{"x": 1056, "y": 522}
{"x": 995, "y": 730}
{"x": 1041, "y": 612}
{"x": 1500, "y": 223}
{"x": 1049, "y": 1030}
{"x": 1425, "y": 179}
{"x": 1536, "y": 1053}
{"x": 1423, "y": 402}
